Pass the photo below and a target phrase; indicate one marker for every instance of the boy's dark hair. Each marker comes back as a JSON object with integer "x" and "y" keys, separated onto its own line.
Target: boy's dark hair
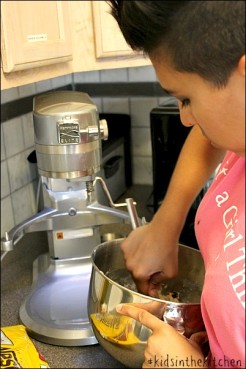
{"x": 202, "y": 37}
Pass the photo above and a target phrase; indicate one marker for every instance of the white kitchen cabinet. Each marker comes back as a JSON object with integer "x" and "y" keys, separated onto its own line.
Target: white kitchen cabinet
{"x": 34, "y": 34}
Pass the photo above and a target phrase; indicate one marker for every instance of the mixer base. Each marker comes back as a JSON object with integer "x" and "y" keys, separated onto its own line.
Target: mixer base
{"x": 55, "y": 311}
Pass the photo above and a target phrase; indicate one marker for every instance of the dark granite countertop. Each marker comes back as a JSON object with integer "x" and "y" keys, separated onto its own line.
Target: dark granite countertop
{"x": 16, "y": 281}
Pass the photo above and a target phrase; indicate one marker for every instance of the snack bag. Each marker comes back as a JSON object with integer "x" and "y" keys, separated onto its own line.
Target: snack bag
{"x": 17, "y": 349}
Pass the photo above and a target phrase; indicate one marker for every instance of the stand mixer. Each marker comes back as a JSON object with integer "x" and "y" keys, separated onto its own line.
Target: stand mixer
{"x": 68, "y": 136}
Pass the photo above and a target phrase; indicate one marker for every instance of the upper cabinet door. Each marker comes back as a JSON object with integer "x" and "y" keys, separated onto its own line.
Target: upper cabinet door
{"x": 34, "y": 33}
{"x": 109, "y": 41}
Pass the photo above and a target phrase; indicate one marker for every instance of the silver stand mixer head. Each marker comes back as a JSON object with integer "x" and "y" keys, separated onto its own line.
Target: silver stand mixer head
{"x": 68, "y": 137}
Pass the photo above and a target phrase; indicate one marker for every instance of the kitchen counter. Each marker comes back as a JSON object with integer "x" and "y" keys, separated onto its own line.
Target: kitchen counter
{"x": 16, "y": 281}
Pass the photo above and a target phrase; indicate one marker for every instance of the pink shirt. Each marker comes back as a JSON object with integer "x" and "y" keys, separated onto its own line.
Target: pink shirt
{"x": 220, "y": 231}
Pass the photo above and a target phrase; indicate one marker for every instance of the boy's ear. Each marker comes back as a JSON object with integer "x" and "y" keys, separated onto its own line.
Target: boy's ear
{"x": 241, "y": 65}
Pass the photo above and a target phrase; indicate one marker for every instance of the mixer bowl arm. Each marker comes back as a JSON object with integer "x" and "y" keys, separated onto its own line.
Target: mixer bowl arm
{"x": 99, "y": 208}
{"x": 16, "y": 233}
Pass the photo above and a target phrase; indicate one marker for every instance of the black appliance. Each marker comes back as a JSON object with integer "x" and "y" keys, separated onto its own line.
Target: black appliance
{"x": 119, "y": 128}
{"x": 116, "y": 165}
{"x": 167, "y": 138}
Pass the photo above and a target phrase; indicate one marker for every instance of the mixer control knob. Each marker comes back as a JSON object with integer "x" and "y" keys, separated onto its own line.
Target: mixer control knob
{"x": 103, "y": 129}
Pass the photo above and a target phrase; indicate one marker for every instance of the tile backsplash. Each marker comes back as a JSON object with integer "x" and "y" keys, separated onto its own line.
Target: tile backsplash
{"x": 19, "y": 178}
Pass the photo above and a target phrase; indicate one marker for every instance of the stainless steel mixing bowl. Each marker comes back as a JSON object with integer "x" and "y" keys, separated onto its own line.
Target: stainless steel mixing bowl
{"x": 122, "y": 337}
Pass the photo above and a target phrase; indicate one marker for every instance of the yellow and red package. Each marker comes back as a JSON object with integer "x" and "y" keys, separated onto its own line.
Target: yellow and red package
{"x": 17, "y": 349}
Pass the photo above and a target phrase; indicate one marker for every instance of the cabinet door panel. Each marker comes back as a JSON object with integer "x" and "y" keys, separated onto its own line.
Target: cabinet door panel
{"x": 34, "y": 33}
{"x": 109, "y": 41}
